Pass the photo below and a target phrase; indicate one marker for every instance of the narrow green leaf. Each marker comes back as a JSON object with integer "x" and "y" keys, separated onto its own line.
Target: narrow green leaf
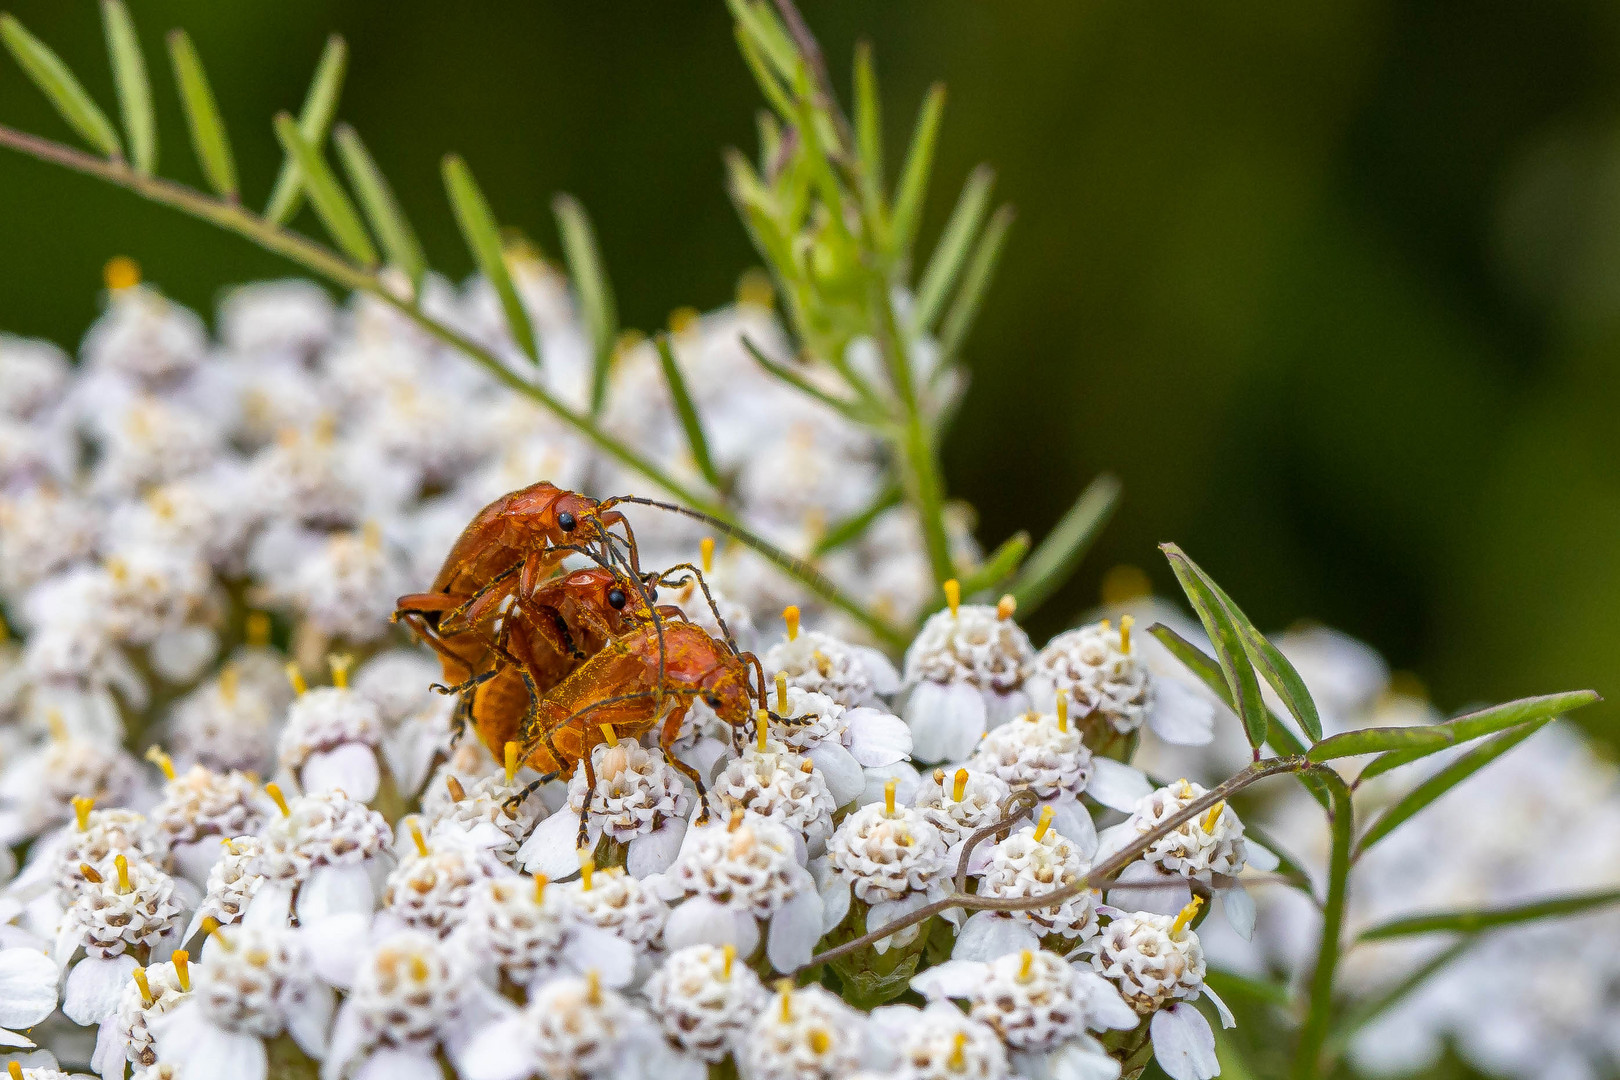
{"x": 47, "y": 71}
{"x": 1287, "y": 866}
{"x": 854, "y": 527}
{"x": 869, "y": 134}
{"x": 478, "y": 229}
{"x": 208, "y": 138}
{"x": 1056, "y": 556}
{"x": 331, "y": 205}
{"x": 382, "y": 210}
{"x": 687, "y": 411}
{"x": 759, "y": 23}
{"x": 314, "y": 121}
{"x": 1366, "y": 1012}
{"x": 134, "y": 88}
{"x": 1446, "y": 779}
{"x": 1470, "y": 922}
{"x": 908, "y": 198}
{"x": 590, "y": 279}
{"x": 1231, "y": 984}
{"x": 769, "y": 84}
{"x": 803, "y": 385}
{"x": 1001, "y": 565}
{"x": 975, "y": 283}
{"x": 1228, "y": 643}
{"x": 1272, "y": 666}
{"x": 1425, "y": 739}
{"x": 1484, "y": 722}
{"x": 955, "y": 244}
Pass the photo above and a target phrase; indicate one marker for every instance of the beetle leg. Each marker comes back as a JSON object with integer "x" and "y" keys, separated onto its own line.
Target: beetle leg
{"x": 725, "y": 631}
{"x": 590, "y": 797}
{"x": 511, "y": 803}
{"x": 666, "y": 743}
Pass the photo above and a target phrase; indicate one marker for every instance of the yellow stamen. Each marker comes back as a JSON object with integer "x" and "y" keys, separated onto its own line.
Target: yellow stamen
{"x": 122, "y": 863}
{"x": 736, "y": 819}
{"x": 121, "y": 272}
{"x": 587, "y": 868}
{"x": 511, "y": 762}
{"x": 1183, "y": 789}
{"x": 421, "y": 841}
{"x": 1212, "y": 817}
{"x": 820, "y": 1041}
{"x": 762, "y": 727}
{"x": 257, "y": 629}
{"x": 785, "y": 988}
{"x": 296, "y": 677}
{"x": 1187, "y": 915}
{"x": 139, "y": 975}
{"x": 781, "y": 693}
{"x": 371, "y": 535}
{"x": 1006, "y": 606}
{"x": 807, "y": 766}
{"x": 958, "y": 1058}
{"x": 1063, "y": 710}
{"x": 273, "y": 790}
{"x": 340, "y": 663}
{"x": 229, "y": 680}
{"x": 82, "y": 805}
{"x": 593, "y": 987}
{"x": 706, "y": 554}
{"x": 953, "y": 595}
{"x": 182, "y": 969}
{"x": 1125, "y": 624}
{"x": 683, "y": 319}
{"x": 163, "y": 761}
{"x": 790, "y": 615}
{"x": 888, "y": 794}
{"x": 540, "y": 883}
{"x": 1026, "y": 966}
{"x": 728, "y": 953}
{"x": 960, "y": 787}
{"x": 1106, "y": 625}
{"x": 14, "y": 1070}
{"x": 210, "y": 928}
{"x": 1044, "y": 823}
{"x": 1124, "y": 583}
{"x": 609, "y": 734}
{"x": 419, "y": 969}
{"x": 89, "y": 873}
{"x": 457, "y": 792}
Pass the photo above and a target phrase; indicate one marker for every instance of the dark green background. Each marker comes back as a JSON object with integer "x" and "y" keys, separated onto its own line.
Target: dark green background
{"x": 1334, "y": 287}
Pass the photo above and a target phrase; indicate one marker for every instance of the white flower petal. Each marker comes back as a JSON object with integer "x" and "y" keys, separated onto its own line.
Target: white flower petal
{"x": 946, "y": 721}
{"x": 656, "y": 851}
{"x": 952, "y": 979}
{"x": 1227, "y": 1019}
{"x": 335, "y": 890}
{"x": 885, "y": 677}
{"x": 877, "y": 780}
{"x": 498, "y": 1052}
{"x": 309, "y": 1018}
{"x": 336, "y": 945}
{"x": 93, "y": 988}
{"x": 1239, "y": 908}
{"x": 591, "y": 948}
{"x": 349, "y": 767}
{"x": 196, "y": 1047}
{"x": 15, "y": 1038}
{"x": 1000, "y": 708}
{"x": 388, "y": 1063}
{"x": 987, "y": 935}
{"x": 1258, "y": 858}
{"x": 27, "y": 987}
{"x": 1081, "y": 1059}
{"x": 795, "y": 929}
{"x": 1180, "y": 714}
{"x": 270, "y": 906}
{"x": 701, "y": 921}
{"x": 877, "y": 738}
{"x": 1117, "y": 785}
{"x": 1144, "y": 887}
{"x": 1183, "y": 1043}
{"x": 835, "y": 899}
{"x": 1073, "y": 823}
{"x": 551, "y": 848}
{"x": 1105, "y": 1007}
{"x": 845, "y": 779}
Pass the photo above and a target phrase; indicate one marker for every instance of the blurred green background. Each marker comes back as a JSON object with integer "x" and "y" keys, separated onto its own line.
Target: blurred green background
{"x": 1335, "y": 288}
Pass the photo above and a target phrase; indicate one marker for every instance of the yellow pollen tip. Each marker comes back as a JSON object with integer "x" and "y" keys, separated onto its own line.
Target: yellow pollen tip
{"x": 371, "y": 535}
{"x": 540, "y": 883}
{"x": 457, "y": 792}
{"x": 889, "y": 787}
{"x": 229, "y": 681}
{"x": 182, "y": 969}
{"x": 958, "y": 1058}
{"x": 1106, "y": 625}
{"x": 121, "y": 272}
{"x": 1044, "y": 824}
{"x": 593, "y": 987}
{"x": 683, "y": 320}
{"x": 89, "y": 873}
{"x": 953, "y": 595}
{"x": 257, "y": 629}
{"x": 296, "y": 677}
{"x": 784, "y": 987}
{"x": 139, "y": 975}
{"x": 820, "y": 1041}
{"x": 790, "y": 615}
{"x": 82, "y": 805}
{"x": 1026, "y": 965}
{"x": 959, "y": 788}
{"x": 1187, "y": 915}
{"x": 210, "y": 926}
{"x": 1006, "y": 606}
{"x": 587, "y": 868}
{"x": 762, "y": 727}
{"x": 122, "y": 863}
{"x": 511, "y": 762}
{"x": 706, "y": 554}
{"x": 1125, "y": 624}
{"x": 736, "y": 819}
{"x": 728, "y": 955}
{"x": 14, "y": 1070}
{"x": 163, "y": 761}
{"x": 273, "y": 790}
{"x": 781, "y": 692}
{"x": 1183, "y": 789}
{"x": 1212, "y": 817}
{"x": 419, "y": 969}
{"x": 418, "y": 838}
{"x": 1063, "y": 710}
{"x": 340, "y": 663}
{"x": 609, "y": 734}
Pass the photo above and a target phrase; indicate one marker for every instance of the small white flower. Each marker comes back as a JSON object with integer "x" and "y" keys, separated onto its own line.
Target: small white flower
{"x": 482, "y": 811}
{"x": 959, "y": 803}
{"x": 28, "y": 982}
{"x": 849, "y": 746}
{"x": 290, "y": 319}
{"x": 200, "y": 808}
{"x": 1100, "y": 672}
{"x": 330, "y": 741}
{"x": 126, "y": 1036}
{"x": 613, "y": 900}
{"x": 965, "y": 671}
{"x": 133, "y": 906}
{"x": 231, "y": 883}
{"x": 705, "y": 1000}
{"x": 894, "y": 861}
{"x": 37, "y": 788}
{"x": 332, "y": 849}
{"x": 345, "y": 587}
{"x": 775, "y": 782}
{"x": 803, "y": 1034}
{"x": 852, "y": 675}
{"x": 42, "y": 530}
{"x": 96, "y": 837}
{"x": 429, "y": 888}
{"x": 1030, "y": 862}
{"x": 936, "y": 1043}
{"x": 416, "y": 721}
{"x": 228, "y": 723}
{"x": 639, "y": 801}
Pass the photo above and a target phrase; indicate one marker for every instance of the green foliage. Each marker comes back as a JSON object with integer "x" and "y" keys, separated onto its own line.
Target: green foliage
{"x": 382, "y": 210}
{"x": 314, "y": 121}
{"x": 331, "y": 203}
{"x": 478, "y": 229}
{"x": 595, "y": 298}
{"x": 686, "y": 411}
{"x": 208, "y": 136}
{"x": 1058, "y": 555}
{"x": 57, "y": 83}
{"x": 134, "y": 88}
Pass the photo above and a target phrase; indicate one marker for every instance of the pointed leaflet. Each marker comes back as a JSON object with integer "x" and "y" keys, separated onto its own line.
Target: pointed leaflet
{"x": 908, "y": 198}
{"x": 134, "y": 88}
{"x": 869, "y": 138}
{"x": 591, "y": 284}
{"x": 1224, "y": 636}
{"x": 208, "y": 136}
{"x": 782, "y": 371}
{"x": 382, "y": 210}
{"x": 981, "y": 268}
{"x": 687, "y": 412}
{"x": 46, "y": 70}
{"x": 1468, "y": 922}
{"x": 1420, "y": 740}
{"x": 314, "y": 121}
{"x": 955, "y": 244}
{"x": 1057, "y": 555}
{"x": 854, "y": 527}
{"x": 331, "y": 205}
{"x": 484, "y": 240}
{"x": 1446, "y": 779}
{"x": 1001, "y": 565}
{"x": 1483, "y": 722}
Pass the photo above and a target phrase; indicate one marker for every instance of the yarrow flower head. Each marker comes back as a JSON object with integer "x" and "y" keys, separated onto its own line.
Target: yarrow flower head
{"x": 772, "y": 781}
{"x": 706, "y": 1000}
{"x": 331, "y": 738}
{"x": 804, "y": 1033}
{"x": 965, "y": 671}
{"x": 850, "y": 746}
{"x": 1032, "y": 861}
{"x": 639, "y": 801}
{"x": 892, "y": 860}
{"x": 430, "y": 887}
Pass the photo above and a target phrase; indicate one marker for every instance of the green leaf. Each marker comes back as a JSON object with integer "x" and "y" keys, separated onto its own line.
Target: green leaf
{"x": 1484, "y": 722}
{"x": 687, "y": 411}
{"x": 981, "y": 268}
{"x": 1001, "y": 565}
{"x": 1423, "y": 739}
{"x": 208, "y": 138}
{"x": 869, "y": 135}
{"x": 1470, "y": 922}
{"x": 46, "y": 70}
{"x": 1231, "y": 984}
{"x": 1223, "y": 635}
{"x": 1366, "y": 1012}
{"x": 314, "y": 121}
{"x": 955, "y": 244}
{"x": 854, "y": 527}
{"x": 1272, "y": 666}
{"x": 1318, "y": 995}
{"x": 331, "y": 205}
{"x": 1287, "y": 865}
{"x": 760, "y": 25}
{"x": 805, "y": 386}
{"x": 134, "y": 88}
{"x": 590, "y": 278}
{"x": 1446, "y": 779}
{"x": 769, "y": 85}
{"x": 908, "y": 198}
{"x": 382, "y": 210}
{"x": 1057, "y": 555}
{"x": 478, "y": 229}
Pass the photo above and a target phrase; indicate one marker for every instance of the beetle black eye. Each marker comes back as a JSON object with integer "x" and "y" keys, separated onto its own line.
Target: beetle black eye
{"x": 712, "y": 700}
{"x": 615, "y": 598}
{"x": 566, "y": 522}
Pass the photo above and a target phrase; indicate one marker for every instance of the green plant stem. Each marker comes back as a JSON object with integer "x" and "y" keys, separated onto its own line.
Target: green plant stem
{"x": 1319, "y": 1016}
